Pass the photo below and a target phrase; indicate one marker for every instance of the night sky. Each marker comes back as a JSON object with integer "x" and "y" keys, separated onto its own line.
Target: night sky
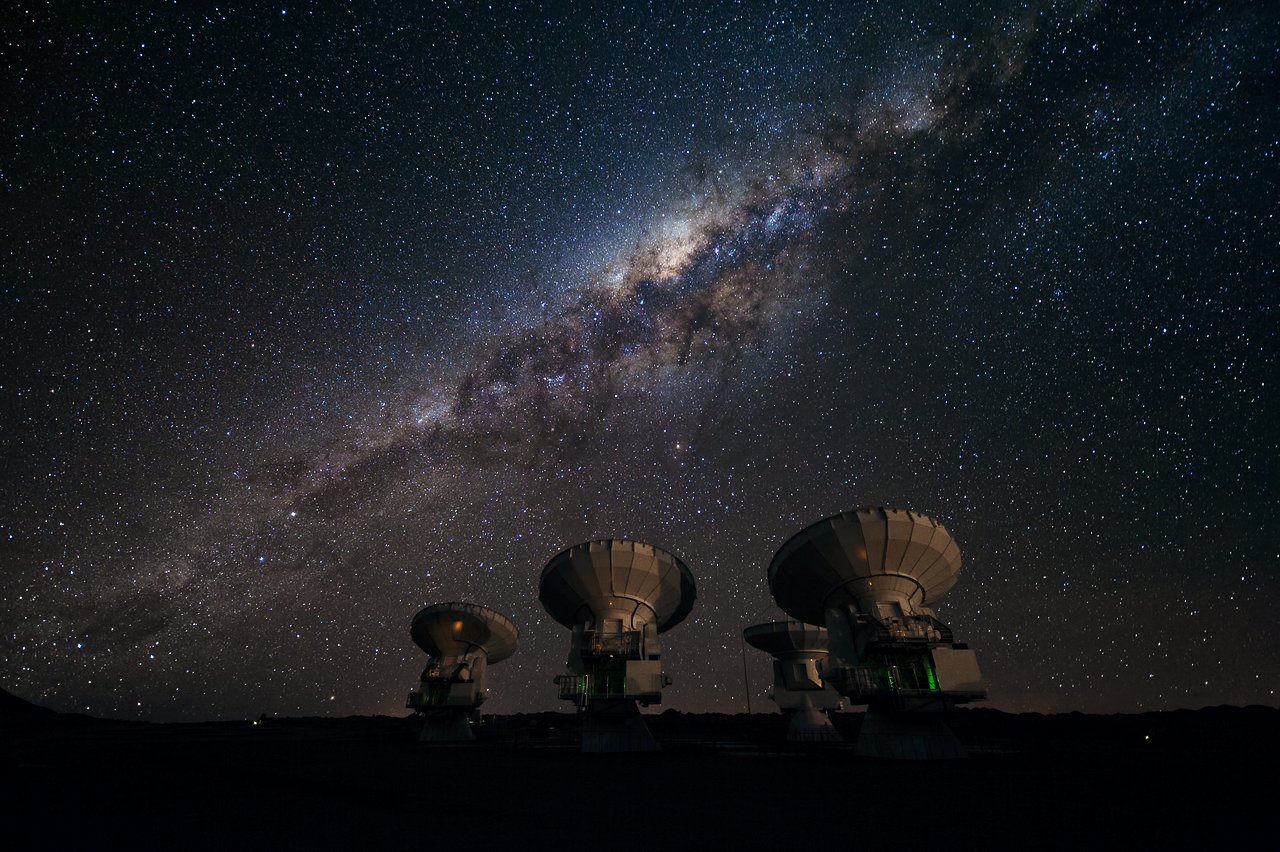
{"x": 313, "y": 317}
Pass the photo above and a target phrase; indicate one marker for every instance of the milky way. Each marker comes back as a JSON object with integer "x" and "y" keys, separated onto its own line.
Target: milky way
{"x": 289, "y": 361}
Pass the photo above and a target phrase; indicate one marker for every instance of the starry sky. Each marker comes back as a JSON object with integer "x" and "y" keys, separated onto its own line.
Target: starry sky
{"x": 315, "y": 316}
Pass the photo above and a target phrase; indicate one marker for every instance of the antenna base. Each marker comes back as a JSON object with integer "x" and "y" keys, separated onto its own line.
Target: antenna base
{"x": 615, "y": 726}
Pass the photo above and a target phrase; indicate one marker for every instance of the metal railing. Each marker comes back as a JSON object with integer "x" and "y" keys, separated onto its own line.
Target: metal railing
{"x": 624, "y": 644}
{"x": 856, "y": 681}
{"x": 580, "y": 687}
{"x": 419, "y": 699}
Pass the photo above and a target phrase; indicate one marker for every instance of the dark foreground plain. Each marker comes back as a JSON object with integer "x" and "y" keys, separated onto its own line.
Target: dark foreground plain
{"x": 1173, "y": 780}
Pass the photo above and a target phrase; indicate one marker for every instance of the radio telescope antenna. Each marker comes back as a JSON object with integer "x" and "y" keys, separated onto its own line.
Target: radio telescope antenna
{"x": 799, "y": 653}
{"x": 461, "y": 640}
{"x": 870, "y": 576}
{"x": 616, "y": 596}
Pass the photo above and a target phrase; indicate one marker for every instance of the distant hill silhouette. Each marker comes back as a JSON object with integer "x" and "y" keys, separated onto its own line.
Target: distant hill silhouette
{"x": 13, "y": 707}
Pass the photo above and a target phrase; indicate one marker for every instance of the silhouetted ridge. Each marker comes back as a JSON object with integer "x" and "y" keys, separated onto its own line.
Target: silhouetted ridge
{"x": 13, "y": 707}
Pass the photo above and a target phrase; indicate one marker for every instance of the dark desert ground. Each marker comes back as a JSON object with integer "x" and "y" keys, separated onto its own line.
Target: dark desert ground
{"x": 1178, "y": 779}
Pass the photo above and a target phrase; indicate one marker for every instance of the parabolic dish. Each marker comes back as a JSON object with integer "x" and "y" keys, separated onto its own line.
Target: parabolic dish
{"x": 867, "y": 553}
{"x": 787, "y": 637}
{"x": 450, "y": 629}
{"x": 617, "y": 574}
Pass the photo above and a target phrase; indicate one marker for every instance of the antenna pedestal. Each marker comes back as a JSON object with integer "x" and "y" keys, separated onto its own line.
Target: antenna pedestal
{"x": 447, "y": 727}
{"x": 907, "y": 736}
{"x": 615, "y": 725}
{"x": 808, "y": 724}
